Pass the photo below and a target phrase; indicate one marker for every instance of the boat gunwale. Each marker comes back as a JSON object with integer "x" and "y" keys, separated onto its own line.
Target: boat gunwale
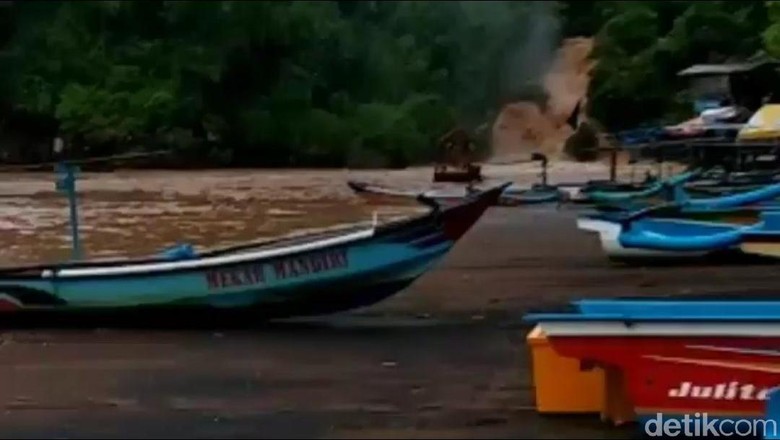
{"x": 278, "y": 243}
{"x": 631, "y": 319}
{"x": 370, "y": 189}
{"x": 746, "y": 327}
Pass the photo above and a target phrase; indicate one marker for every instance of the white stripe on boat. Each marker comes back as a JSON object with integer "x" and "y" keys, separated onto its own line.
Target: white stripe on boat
{"x": 586, "y": 329}
{"x": 714, "y": 363}
{"x": 209, "y": 261}
{"x": 736, "y": 350}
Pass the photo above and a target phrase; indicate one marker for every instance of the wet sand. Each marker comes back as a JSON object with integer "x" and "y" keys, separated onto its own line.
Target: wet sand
{"x": 444, "y": 358}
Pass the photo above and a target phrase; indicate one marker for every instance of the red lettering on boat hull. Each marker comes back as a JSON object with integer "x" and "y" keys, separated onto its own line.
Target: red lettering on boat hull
{"x": 235, "y": 277}
{"x": 310, "y": 264}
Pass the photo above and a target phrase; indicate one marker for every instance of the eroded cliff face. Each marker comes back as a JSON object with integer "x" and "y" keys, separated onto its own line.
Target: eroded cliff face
{"x": 523, "y": 127}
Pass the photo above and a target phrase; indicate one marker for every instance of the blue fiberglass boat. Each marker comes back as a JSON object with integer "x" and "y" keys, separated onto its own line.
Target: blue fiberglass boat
{"x": 671, "y": 230}
{"x": 688, "y": 228}
{"x": 691, "y": 236}
{"x": 656, "y": 188}
{"x": 682, "y": 236}
{"x": 313, "y": 274}
{"x": 710, "y": 307}
{"x": 765, "y": 196}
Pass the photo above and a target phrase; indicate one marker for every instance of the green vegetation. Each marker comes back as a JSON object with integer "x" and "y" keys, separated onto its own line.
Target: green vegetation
{"x": 642, "y": 45}
{"x": 368, "y": 83}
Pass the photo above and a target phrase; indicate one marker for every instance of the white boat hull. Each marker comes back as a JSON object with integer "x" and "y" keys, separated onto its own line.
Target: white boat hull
{"x": 573, "y": 193}
{"x": 608, "y": 233}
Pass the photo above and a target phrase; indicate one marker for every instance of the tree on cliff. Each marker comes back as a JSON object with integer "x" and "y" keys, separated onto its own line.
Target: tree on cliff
{"x": 642, "y": 45}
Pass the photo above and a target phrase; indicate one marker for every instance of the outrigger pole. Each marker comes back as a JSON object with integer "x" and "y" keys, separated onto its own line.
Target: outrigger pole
{"x": 66, "y": 182}
{"x": 66, "y": 172}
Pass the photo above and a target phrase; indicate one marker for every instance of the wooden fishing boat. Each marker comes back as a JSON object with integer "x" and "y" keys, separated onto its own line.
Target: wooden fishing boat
{"x": 676, "y": 357}
{"x": 316, "y": 273}
{"x": 381, "y": 195}
{"x": 511, "y": 196}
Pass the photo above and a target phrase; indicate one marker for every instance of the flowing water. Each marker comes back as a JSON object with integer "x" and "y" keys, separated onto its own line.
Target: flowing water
{"x": 137, "y": 213}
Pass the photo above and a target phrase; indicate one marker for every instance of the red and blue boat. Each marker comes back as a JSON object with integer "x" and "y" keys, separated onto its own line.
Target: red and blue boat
{"x": 677, "y": 357}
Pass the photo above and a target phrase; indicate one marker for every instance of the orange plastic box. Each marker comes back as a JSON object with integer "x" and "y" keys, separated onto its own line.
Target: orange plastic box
{"x": 561, "y": 386}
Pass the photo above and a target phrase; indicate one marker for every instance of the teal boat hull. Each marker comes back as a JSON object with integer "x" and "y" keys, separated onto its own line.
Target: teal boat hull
{"x": 685, "y": 189}
{"x": 310, "y": 275}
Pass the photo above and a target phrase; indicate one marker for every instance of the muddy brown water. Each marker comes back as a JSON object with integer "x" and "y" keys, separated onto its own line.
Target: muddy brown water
{"x": 139, "y": 213}
{"x": 135, "y": 213}
{"x": 444, "y": 358}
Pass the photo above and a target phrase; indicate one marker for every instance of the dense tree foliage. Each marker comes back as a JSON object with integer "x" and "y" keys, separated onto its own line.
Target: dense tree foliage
{"x": 335, "y": 83}
{"x": 642, "y": 45}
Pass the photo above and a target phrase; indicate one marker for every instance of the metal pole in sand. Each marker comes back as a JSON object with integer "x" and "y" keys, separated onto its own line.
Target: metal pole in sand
{"x": 66, "y": 182}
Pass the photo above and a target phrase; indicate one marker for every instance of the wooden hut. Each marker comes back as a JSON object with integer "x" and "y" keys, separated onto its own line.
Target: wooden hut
{"x": 457, "y": 155}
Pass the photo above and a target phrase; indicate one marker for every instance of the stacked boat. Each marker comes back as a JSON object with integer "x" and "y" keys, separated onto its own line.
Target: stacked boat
{"x": 686, "y": 226}
{"x": 679, "y": 357}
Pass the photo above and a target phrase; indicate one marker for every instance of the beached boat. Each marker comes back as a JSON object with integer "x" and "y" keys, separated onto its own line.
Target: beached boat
{"x": 511, "y": 196}
{"x": 380, "y": 195}
{"x": 676, "y": 357}
{"x": 697, "y": 187}
{"x": 688, "y": 228}
{"x": 310, "y": 274}
{"x": 608, "y": 230}
{"x": 652, "y": 190}
{"x": 763, "y": 196}
{"x": 671, "y": 231}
